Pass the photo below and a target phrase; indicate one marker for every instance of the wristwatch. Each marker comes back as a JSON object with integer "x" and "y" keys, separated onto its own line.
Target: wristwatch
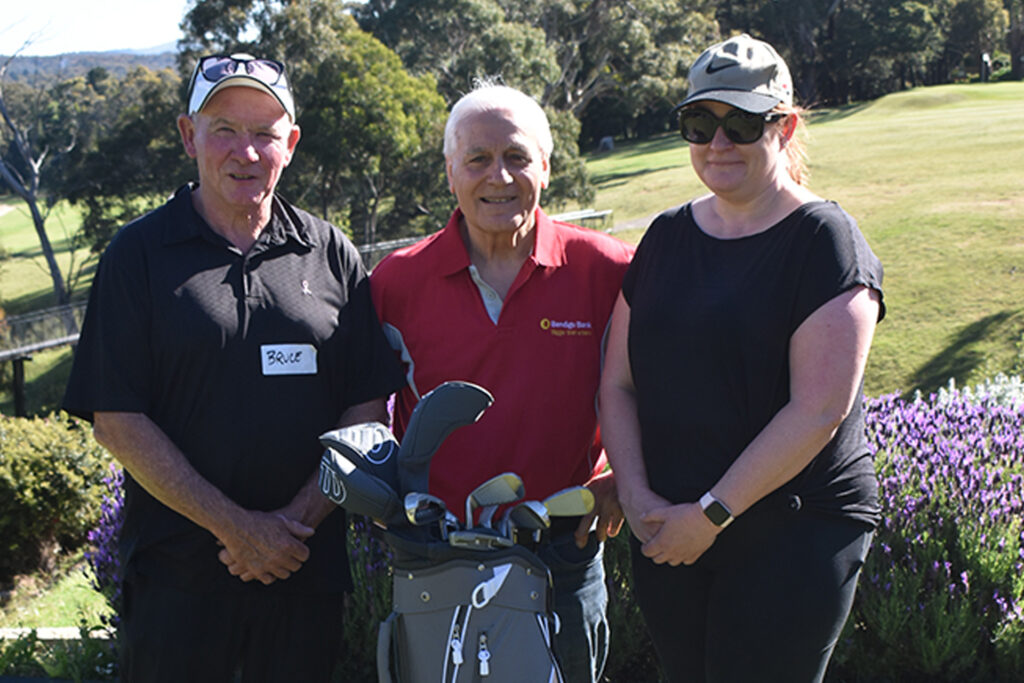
{"x": 716, "y": 511}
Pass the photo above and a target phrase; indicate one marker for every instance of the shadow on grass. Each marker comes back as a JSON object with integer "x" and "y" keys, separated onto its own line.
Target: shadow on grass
{"x": 606, "y": 180}
{"x": 960, "y": 357}
{"x": 828, "y": 114}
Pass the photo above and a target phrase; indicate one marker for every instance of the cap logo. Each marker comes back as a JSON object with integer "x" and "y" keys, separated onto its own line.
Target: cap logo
{"x": 714, "y": 68}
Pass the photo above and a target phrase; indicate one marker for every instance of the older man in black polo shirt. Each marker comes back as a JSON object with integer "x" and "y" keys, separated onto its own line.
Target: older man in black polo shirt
{"x": 225, "y": 331}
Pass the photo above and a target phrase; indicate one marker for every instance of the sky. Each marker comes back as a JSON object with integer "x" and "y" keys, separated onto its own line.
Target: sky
{"x": 60, "y": 26}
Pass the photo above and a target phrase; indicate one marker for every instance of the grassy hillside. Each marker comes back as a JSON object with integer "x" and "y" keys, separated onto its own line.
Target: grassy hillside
{"x": 934, "y": 176}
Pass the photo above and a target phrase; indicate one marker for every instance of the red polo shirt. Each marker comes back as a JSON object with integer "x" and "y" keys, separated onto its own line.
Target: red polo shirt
{"x": 541, "y": 360}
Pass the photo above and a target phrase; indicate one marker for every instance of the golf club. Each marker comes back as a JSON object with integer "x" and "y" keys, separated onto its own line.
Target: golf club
{"x": 440, "y": 412}
{"x": 571, "y": 502}
{"x": 530, "y": 515}
{"x": 498, "y": 490}
{"x": 422, "y": 509}
{"x": 477, "y": 539}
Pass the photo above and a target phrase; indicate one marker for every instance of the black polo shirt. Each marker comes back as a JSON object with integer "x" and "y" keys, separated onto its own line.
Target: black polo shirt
{"x": 241, "y": 359}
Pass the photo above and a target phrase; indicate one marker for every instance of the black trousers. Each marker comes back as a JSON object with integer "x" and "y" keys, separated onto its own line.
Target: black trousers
{"x": 767, "y": 602}
{"x": 175, "y": 636}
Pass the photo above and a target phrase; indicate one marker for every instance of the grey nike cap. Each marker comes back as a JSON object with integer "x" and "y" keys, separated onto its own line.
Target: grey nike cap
{"x": 742, "y": 71}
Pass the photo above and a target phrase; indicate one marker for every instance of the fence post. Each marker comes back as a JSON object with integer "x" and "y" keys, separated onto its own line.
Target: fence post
{"x": 19, "y": 385}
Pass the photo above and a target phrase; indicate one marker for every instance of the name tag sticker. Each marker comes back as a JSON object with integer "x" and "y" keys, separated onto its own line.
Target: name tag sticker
{"x": 288, "y": 359}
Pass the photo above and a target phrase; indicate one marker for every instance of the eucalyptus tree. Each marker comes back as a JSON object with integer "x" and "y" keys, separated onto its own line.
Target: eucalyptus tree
{"x": 39, "y": 128}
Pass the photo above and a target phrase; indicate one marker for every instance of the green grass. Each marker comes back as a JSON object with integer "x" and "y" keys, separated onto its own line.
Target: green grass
{"x": 933, "y": 176}
{"x": 25, "y": 283}
{"x": 66, "y": 599}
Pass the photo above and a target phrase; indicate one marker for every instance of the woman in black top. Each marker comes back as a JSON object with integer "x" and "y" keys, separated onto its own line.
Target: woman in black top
{"x": 733, "y": 388}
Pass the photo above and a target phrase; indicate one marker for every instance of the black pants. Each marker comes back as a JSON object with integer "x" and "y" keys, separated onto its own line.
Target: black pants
{"x": 176, "y": 636}
{"x": 767, "y": 602}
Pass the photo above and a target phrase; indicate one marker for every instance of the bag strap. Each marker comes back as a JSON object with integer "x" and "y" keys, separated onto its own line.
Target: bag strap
{"x": 385, "y": 633}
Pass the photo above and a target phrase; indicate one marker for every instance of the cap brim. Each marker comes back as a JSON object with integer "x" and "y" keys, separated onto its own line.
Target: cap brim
{"x": 238, "y": 80}
{"x": 755, "y": 103}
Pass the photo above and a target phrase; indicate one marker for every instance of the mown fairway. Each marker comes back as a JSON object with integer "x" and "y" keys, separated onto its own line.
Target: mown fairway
{"x": 935, "y": 177}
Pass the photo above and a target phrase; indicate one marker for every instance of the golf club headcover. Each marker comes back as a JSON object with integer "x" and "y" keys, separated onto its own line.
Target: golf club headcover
{"x": 358, "y": 491}
{"x": 440, "y": 412}
{"x": 370, "y": 445}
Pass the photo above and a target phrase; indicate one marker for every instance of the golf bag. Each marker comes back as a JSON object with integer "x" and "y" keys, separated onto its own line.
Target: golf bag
{"x": 482, "y": 617}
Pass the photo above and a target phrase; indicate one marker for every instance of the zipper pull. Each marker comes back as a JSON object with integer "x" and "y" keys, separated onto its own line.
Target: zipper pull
{"x": 483, "y": 655}
{"x": 456, "y": 645}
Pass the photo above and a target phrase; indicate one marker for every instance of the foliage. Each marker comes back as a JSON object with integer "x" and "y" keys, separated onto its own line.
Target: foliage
{"x": 103, "y": 558}
{"x": 631, "y": 654}
{"x": 583, "y": 58}
{"x": 36, "y": 70}
{"x": 90, "y": 657}
{"x": 137, "y": 159}
{"x": 370, "y": 602}
{"x": 858, "y": 49}
{"x": 371, "y": 131}
{"x": 942, "y": 592}
{"x": 51, "y": 472}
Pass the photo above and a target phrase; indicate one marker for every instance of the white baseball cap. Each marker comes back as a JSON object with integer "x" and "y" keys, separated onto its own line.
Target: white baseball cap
{"x": 213, "y": 73}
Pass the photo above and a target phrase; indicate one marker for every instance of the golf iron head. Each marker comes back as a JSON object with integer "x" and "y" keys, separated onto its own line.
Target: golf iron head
{"x": 570, "y": 502}
{"x": 422, "y": 509}
{"x": 530, "y": 515}
{"x": 478, "y": 539}
{"x": 499, "y": 490}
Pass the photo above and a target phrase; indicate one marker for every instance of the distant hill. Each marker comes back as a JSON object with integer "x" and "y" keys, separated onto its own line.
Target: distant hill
{"x": 35, "y": 70}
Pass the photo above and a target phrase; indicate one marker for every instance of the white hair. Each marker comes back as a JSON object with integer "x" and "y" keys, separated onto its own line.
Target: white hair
{"x": 491, "y": 96}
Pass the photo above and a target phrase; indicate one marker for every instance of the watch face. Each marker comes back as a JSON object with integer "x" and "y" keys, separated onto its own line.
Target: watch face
{"x": 717, "y": 513}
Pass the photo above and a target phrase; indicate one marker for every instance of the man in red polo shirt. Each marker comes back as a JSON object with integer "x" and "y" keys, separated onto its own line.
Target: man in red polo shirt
{"x": 518, "y": 303}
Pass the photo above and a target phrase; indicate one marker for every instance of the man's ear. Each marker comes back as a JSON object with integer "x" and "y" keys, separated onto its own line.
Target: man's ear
{"x": 293, "y": 139}
{"x": 187, "y": 128}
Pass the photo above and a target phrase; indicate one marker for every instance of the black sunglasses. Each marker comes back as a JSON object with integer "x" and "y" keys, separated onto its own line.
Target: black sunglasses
{"x": 215, "y": 67}
{"x": 698, "y": 126}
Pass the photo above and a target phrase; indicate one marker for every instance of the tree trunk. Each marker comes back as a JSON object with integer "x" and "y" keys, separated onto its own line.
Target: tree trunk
{"x": 60, "y": 291}
{"x": 1015, "y": 41}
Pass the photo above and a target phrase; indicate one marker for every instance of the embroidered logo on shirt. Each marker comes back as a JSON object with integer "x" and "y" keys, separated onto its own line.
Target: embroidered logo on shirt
{"x": 305, "y": 288}
{"x": 567, "y": 328}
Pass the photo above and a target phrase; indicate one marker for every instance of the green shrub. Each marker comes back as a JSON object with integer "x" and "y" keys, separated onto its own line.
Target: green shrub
{"x": 51, "y": 487}
{"x": 86, "y": 658}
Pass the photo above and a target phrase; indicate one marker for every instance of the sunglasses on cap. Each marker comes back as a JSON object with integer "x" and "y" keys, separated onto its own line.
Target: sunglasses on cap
{"x": 263, "y": 74}
{"x": 698, "y": 126}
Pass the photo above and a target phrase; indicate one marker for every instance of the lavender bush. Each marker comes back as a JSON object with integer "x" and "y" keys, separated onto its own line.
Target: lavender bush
{"x": 942, "y": 593}
{"x": 370, "y": 602}
{"x": 104, "y": 564}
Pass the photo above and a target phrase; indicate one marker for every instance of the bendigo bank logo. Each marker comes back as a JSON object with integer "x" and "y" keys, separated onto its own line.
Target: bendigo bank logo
{"x": 567, "y": 328}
